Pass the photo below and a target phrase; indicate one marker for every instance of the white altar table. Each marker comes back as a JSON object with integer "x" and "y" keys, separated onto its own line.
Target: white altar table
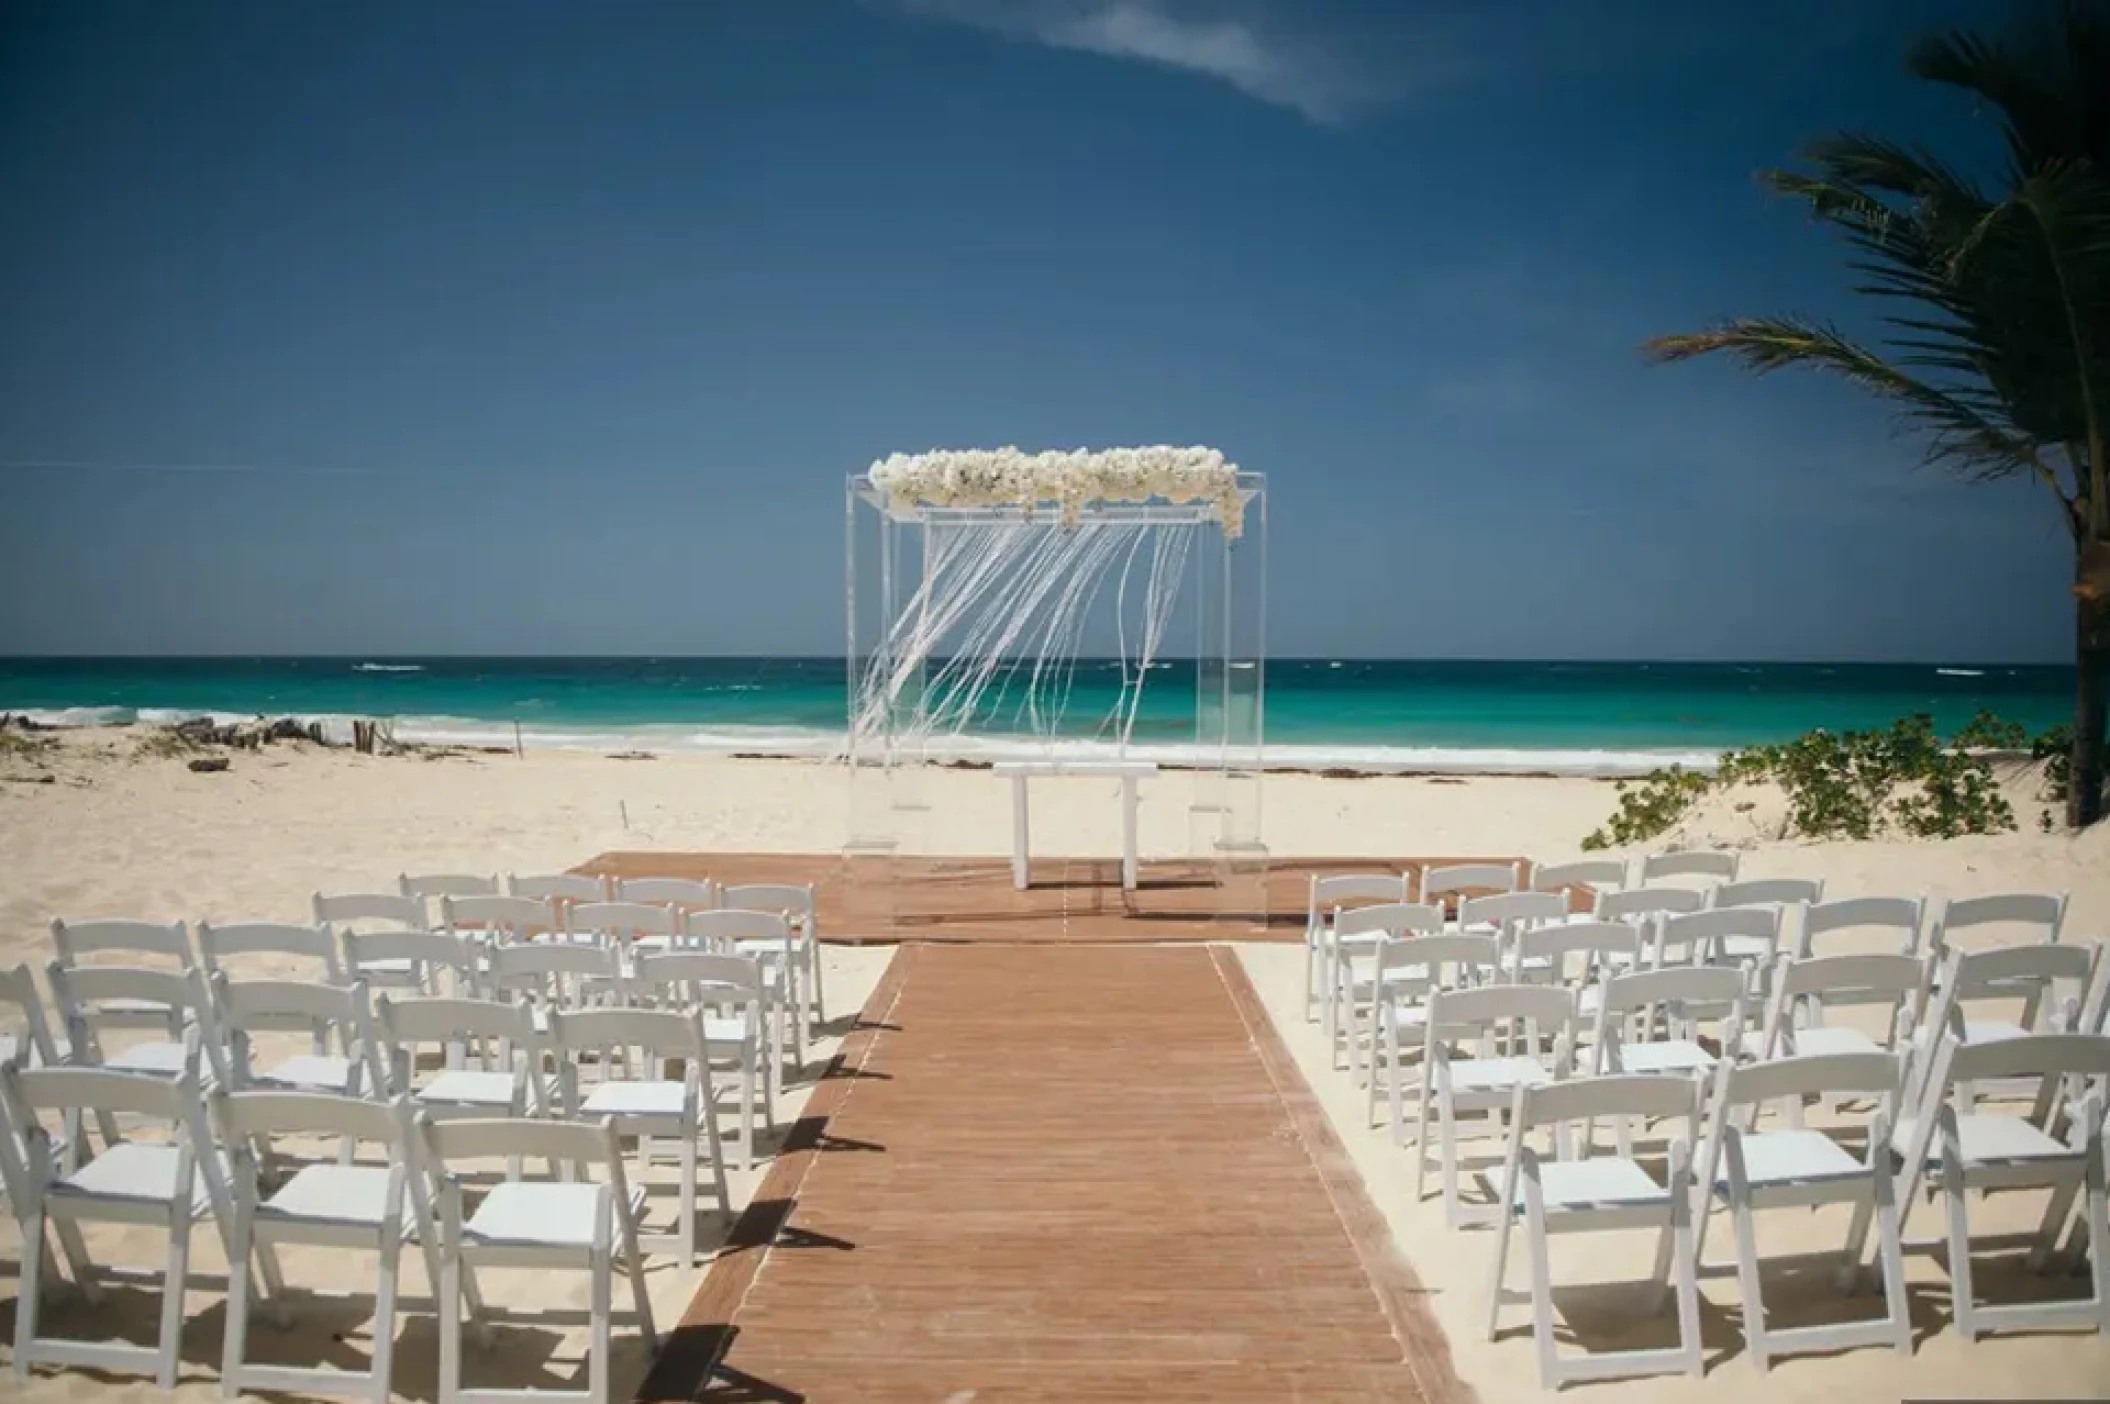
{"x": 1020, "y": 772}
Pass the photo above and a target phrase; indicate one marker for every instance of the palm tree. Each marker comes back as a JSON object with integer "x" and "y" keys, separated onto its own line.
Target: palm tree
{"x": 1996, "y": 301}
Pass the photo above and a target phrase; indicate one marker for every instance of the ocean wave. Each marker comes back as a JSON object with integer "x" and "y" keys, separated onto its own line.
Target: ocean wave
{"x": 1961, "y": 672}
{"x": 387, "y": 668}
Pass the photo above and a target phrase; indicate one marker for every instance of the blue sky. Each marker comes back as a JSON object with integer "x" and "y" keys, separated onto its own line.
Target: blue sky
{"x": 553, "y": 327}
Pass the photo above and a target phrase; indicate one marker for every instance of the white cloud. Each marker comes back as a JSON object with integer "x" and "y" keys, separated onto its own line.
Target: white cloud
{"x": 1290, "y": 53}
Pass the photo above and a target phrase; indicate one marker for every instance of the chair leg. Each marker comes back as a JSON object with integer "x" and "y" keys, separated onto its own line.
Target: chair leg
{"x": 1310, "y": 956}
{"x": 1542, "y": 1298}
{"x": 1494, "y": 1289}
{"x": 172, "y": 1284}
{"x": 234, "y": 1339}
{"x": 1688, "y": 1271}
{"x": 1370, "y": 1101}
{"x": 1449, "y": 1113}
{"x": 1399, "y": 1119}
{"x": 1747, "y": 1281}
{"x": 450, "y": 1305}
{"x": 30, "y": 1298}
{"x": 688, "y": 1197}
{"x": 748, "y": 1128}
{"x": 1893, "y": 1250}
{"x": 1421, "y": 1139}
{"x": 385, "y": 1313}
{"x": 603, "y": 1335}
{"x": 1963, "y": 1297}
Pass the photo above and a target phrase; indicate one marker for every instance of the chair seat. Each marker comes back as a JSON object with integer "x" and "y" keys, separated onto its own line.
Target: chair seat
{"x": 1792, "y": 1157}
{"x": 1832, "y": 1040}
{"x": 1987, "y": 1140}
{"x": 1743, "y": 948}
{"x": 468, "y": 1087}
{"x": 335, "y": 1194}
{"x": 635, "y": 1099}
{"x": 149, "y": 1007}
{"x": 142, "y": 1171}
{"x": 153, "y": 1059}
{"x": 1489, "y": 1074}
{"x": 318, "y": 1072}
{"x": 767, "y": 946}
{"x": 1601, "y": 1182}
{"x": 726, "y": 1031}
{"x": 1670, "y": 1055}
{"x": 1977, "y": 1031}
{"x": 531, "y": 1214}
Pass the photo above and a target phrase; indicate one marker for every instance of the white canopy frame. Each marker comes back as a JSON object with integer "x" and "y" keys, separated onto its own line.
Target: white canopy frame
{"x": 964, "y": 630}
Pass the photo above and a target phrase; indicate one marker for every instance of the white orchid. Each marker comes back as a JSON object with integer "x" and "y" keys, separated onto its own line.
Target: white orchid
{"x": 1072, "y": 479}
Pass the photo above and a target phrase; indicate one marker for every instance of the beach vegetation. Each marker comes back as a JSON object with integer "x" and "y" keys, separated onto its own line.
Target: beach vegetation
{"x": 1845, "y": 785}
{"x": 1994, "y": 299}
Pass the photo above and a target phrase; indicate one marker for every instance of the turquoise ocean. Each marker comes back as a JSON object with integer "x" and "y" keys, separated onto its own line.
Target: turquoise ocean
{"x": 1569, "y": 717}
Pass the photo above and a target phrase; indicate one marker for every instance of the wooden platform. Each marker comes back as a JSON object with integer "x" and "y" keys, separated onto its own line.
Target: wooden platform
{"x": 1043, "y": 1173}
{"x": 1072, "y": 901}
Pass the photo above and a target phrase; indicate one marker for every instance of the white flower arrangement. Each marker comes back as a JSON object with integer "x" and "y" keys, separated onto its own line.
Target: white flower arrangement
{"x": 1070, "y": 479}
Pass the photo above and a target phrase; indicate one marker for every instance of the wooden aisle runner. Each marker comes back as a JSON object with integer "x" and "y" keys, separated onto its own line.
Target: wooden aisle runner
{"x": 1061, "y": 1174}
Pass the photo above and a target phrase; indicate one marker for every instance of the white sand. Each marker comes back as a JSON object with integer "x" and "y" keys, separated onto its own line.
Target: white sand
{"x": 148, "y": 838}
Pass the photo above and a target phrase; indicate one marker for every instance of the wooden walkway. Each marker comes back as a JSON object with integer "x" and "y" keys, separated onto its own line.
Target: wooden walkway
{"x": 1060, "y": 1173}
{"x": 1071, "y": 901}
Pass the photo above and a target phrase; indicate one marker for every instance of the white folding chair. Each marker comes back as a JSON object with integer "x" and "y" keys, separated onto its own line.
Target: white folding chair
{"x": 315, "y": 944}
{"x": 347, "y": 912}
{"x": 543, "y": 977}
{"x": 1688, "y": 863}
{"x": 1592, "y": 873}
{"x": 562, "y": 890}
{"x": 1893, "y": 923}
{"x": 172, "y": 1183}
{"x": 1744, "y": 1170}
{"x": 412, "y": 962}
{"x": 1594, "y": 1194}
{"x": 732, "y": 994}
{"x": 1748, "y": 937}
{"x": 765, "y": 938}
{"x": 2050, "y": 982}
{"x": 428, "y": 888}
{"x": 681, "y": 1110}
{"x": 1539, "y": 1019}
{"x": 30, "y": 1042}
{"x": 581, "y": 1224}
{"x": 1405, "y": 972}
{"x": 1328, "y": 895}
{"x": 489, "y": 921}
{"x": 1575, "y": 956}
{"x": 1960, "y": 1148}
{"x": 629, "y": 929}
{"x": 1646, "y": 903}
{"x": 1688, "y": 996}
{"x": 2039, "y": 916}
{"x": 166, "y": 944}
{"x": 374, "y": 1208}
{"x": 1359, "y": 933}
{"x": 1798, "y": 1023}
{"x": 797, "y": 904}
{"x": 1456, "y": 881}
{"x": 1503, "y": 914}
{"x": 87, "y": 995}
{"x": 336, "y": 1018}
{"x": 516, "y": 1087}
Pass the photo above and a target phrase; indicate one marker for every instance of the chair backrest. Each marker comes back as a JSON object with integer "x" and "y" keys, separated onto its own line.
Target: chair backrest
{"x": 1585, "y": 872}
{"x": 1884, "y": 973}
{"x": 579, "y": 1143}
{"x": 342, "y": 909}
{"x": 720, "y": 928}
{"x": 1756, "y": 892}
{"x": 1712, "y": 986}
{"x": 558, "y": 887}
{"x": 622, "y": 920}
{"x": 703, "y": 975}
{"x": 793, "y": 899}
{"x": 2030, "y": 973}
{"x": 426, "y": 886}
{"x": 1902, "y": 916}
{"x": 1689, "y": 863}
{"x": 444, "y": 1019}
{"x": 1591, "y": 940}
{"x": 79, "y": 990}
{"x": 2033, "y": 1056}
{"x": 72, "y": 1088}
{"x": 1551, "y": 1008}
{"x": 1749, "y": 1084}
{"x": 18, "y": 988}
{"x": 689, "y": 894}
{"x": 1503, "y": 910}
{"x": 1608, "y": 1095}
{"x": 2043, "y": 914}
{"x": 74, "y": 939}
{"x": 1446, "y": 959}
{"x": 1469, "y": 877}
{"x": 1690, "y": 936}
{"x": 217, "y": 943}
{"x": 267, "y": 1115}
{"x": 664, "y": 1033}
{"x": 1631, "y": 902}
{"x": 424, "y": 949}
{"x": 552, "y": 972}
{"x": 498, "y": 918}
{"x": 1353, "y": 889}
{"x": 1399, "y": 919}
{"x": 256, "y": 1004}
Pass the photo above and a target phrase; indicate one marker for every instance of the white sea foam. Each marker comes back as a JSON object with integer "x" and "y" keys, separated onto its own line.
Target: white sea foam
{"x": 816, "y": 743}
{"x": 387, "y": 668}
{"x": 1961, "y": 672}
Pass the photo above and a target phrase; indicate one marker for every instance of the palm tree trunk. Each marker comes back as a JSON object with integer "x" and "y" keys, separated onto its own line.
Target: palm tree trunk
{"x": 2084, "y": 794}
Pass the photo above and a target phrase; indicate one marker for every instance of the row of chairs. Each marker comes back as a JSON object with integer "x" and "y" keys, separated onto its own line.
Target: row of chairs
{"x": 1554, "y": 1017}
{"x": 232, "y": 1159}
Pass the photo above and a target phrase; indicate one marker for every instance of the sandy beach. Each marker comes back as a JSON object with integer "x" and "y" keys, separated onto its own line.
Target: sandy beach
{"x": 112, "y": 833}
